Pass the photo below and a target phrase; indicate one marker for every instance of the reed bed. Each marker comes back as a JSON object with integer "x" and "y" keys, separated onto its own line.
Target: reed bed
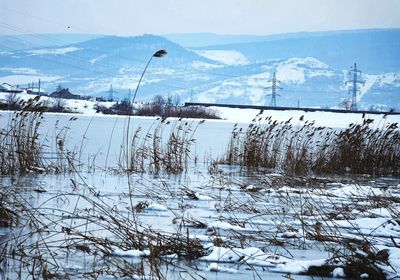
{"x": 82, "y": 223}
{"x": 311, "y": 213}
{"x": 302, "y": 148}
{"x": 20, "y": 149}
{"x": 24, "y": 150}
{"x": 274, "y": 213}
{"x": 165, "y": 146}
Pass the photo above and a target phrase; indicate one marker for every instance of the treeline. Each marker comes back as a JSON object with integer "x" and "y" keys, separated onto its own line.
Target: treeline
{"x": 12, "y": 102}
{"x": 159, "y": 107}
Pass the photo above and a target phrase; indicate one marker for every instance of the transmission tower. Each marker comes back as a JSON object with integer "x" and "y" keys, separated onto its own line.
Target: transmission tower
{"x": 111, "y": 92}
{"x": 356, "y": 73}
{"x": 274, "y": 88}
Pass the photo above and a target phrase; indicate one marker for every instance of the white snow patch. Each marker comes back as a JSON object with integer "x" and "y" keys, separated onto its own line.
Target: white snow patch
{"x": 200, "y": 196}
{"x": 94, "y": 60}
{"x": 389, "y": 79}
{"x": 219, "y": 268}
{"x": 321, "y": 73}
{"x": 203, "y": 65}
{"x": 59, "y": 51}
{"x": 294, "y": 70}
{"x": 251, "y": 255}
{"x": 357, "y": 191}
{"x": 255, "y": 256}
{"x": 394, "y": 259}
{"x": 225, "y": 226}
{"x": 310, "y": 62}
{"x": 289, "y": 73}
{"x": 327, "y": 119}
{"x": 156, "y": 207}
{"x": 297, "y": 267}
{"x": 225, "y": 56}
{"x": 338, "y": 273}
{"x": 131, "y": 253}
{"x": 381, "y": 212}
{"x": 369, "y": 80}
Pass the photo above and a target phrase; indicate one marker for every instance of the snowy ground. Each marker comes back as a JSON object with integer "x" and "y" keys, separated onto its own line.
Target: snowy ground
{"x": 328, "y": 119}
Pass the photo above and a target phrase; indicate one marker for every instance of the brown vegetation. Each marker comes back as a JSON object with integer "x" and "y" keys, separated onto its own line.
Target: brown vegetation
{"x": 303, "y": 148}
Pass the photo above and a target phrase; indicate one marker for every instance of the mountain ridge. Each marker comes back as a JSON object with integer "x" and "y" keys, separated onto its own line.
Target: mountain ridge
{"x": 237, "y": 73}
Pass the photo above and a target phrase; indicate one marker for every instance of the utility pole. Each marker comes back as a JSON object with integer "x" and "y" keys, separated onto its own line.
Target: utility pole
{"x": 355, "y": 81}
{"x": 39, "y": 88}
{"x": 274, "y": 88}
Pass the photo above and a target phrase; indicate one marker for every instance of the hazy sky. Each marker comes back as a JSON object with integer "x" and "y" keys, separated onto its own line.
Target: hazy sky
{"x": 133, "y": 17}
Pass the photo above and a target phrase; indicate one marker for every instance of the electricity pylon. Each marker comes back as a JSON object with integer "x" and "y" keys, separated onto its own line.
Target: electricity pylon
{"x": 274, "y": 88}
{"x": 111, "y": 92}
{"x": 355, "y": 81}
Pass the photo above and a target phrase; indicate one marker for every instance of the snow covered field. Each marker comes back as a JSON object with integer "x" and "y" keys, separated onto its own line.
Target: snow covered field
{"x": 236, "y": 224}
{"x": 338, "y": 120}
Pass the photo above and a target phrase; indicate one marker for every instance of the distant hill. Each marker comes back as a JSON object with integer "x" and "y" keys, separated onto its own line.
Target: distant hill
{"x": 201, "y": 40}
{"x": 103, "y": 56}
{"x": 376, "y": 51}
{"x": 312, "y": 67}
{"x": 31, "y": 41}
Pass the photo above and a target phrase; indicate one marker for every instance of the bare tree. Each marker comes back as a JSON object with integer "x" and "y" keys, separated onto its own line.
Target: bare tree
{"x": 158, "y": 100}
{"x": 12, "y": 101}
{"x": 58, "y": 105}
{"x": 345, "y": 103}
{"x": 177, "y": 100}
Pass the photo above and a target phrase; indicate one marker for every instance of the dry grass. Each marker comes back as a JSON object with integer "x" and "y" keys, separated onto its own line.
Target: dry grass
{"x": 303, "y": 149}
{"x": 166, "y": 146}
{"x": 20, "y": 149}
{"x": 46, "y": 236}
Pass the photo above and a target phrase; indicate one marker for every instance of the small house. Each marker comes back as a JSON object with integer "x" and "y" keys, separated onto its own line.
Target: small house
{"x": 65, "y": 94}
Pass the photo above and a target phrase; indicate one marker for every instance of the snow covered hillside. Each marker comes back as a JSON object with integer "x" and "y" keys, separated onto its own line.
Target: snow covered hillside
{"x": 235, "y": 73}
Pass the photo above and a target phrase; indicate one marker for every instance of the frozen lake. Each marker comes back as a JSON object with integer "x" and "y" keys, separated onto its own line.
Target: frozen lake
{"x": 243, "y": 225}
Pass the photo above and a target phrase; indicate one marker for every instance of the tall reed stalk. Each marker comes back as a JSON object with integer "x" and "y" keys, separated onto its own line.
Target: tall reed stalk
{"x": 303, "y": 148}
{"x": 20, "y": 149}
{"x": 165, "y": 146}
